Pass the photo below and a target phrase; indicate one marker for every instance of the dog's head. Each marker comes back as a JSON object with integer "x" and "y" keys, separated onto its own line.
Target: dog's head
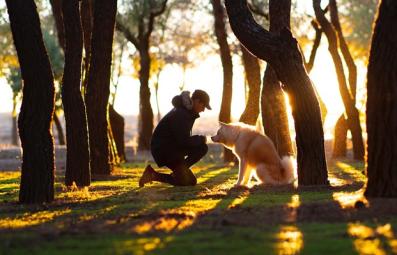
{"x": 227, "y": 134}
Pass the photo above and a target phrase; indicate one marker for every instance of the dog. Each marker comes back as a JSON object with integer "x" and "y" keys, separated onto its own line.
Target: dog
{"x": 257, "y": 155}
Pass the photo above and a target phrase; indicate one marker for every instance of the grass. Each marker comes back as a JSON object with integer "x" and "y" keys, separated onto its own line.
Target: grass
{"x": 116, "y": 217}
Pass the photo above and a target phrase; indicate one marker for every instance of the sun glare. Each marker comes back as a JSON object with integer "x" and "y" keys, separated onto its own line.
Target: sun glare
{"x": 370, "y": 240}
{"x": 290, "y": 241}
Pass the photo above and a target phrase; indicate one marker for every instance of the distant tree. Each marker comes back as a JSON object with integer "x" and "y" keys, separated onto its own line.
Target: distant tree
{"x": 14, "y": 79}
{"x": 56, "y": 6}
{"x": 253, "y": 78}
{"x": 382, "y": 105}
{"x": 137, "y": 24}
{"x": 176, "y": 42}
{"x": 316, "y": 43}
{"x": 116, "y": 120}
{"x": 352, "y": 113}
{"x": 274, "y": 109}
{"x": 357, "y": 18}
{"x": 77, "y": 155}
{"x": 283, "y": 54}
{"x": 57, "y": 62}
{"x": 227, "y": 64}
{"x": 37, "y": 179}
{"x": 341, "y": 127}
{"x": 97, "y": 91}
{"x": 117, "y": 125}
{"x": 309, "y": 64}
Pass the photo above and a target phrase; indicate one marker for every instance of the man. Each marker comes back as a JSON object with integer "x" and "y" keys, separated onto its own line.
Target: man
{"x": 172, "y": 144}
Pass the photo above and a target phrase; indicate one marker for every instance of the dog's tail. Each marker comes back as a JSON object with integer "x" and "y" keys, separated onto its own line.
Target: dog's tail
{"x": 289, "y": 165}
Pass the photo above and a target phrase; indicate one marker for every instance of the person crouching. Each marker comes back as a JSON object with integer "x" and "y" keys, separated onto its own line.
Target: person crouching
{"x": 173, "y": 145}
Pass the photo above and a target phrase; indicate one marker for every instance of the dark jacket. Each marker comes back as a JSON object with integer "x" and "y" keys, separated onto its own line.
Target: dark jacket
{"x": 172, "y": 136}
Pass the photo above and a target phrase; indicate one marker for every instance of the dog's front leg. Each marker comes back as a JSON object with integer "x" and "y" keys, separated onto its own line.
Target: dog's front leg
{"x": 241, "y": 172}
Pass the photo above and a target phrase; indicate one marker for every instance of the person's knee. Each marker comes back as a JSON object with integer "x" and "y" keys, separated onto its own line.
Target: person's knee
{"x": 193, "y": 181}
{"x": 186, "y": 180}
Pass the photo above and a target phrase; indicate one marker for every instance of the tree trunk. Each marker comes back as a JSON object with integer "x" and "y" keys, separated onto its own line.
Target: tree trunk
{"x": 97, "y": 94}
{"x": 87, "y": 23}
{"x": 227, "y": 64}
{"x": 341, "y": 128}
{"x": 77, "y": 156}
{"x": 382, "y": 105}
{"x": 348, "y": 101}
{"x": 114, "y": 158}
{"x": 274, "y": 109}
{"x": 145, "y": 108}
{"x": 253, "y": 77}
{"x": 117, "y": 124}
{"x": 351, "y": 66}
{"x": 282, "y": 53}
{"x": 14, "y": 131}
{"x": 274, "y": 113}
{"x": 58, "y": 126}
{"x": 56, "y": 6}
{"x": 34, "y": 122}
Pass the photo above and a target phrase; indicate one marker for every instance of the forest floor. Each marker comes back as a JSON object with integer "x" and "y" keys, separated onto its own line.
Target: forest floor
{"x": 116, "y": 217}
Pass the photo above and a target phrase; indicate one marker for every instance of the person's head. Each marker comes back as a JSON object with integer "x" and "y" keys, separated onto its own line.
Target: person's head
{"x": 201, "y": 100}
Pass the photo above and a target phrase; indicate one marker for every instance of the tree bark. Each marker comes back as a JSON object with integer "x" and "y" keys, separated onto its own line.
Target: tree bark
{"x": 274, "y": 109}
{"x": 34, "y": 122}
{"x": 253, "y": 77}
{"x": 274, "y": 113}
{"x": 227, "y": 64}
{"x": 145, "y": 108}
{"x": 56, "y": 6}
{"x": 77, "y": 156}
{"x": 350, "y": 108}
{"x": 117, "y": 124}
{"x": 87, "y": 23}
{"x": 282, "y": 53}
{"x": 97, "y": 94}
{"x": 382, "y": 105}
{"x": 58, "y": 125}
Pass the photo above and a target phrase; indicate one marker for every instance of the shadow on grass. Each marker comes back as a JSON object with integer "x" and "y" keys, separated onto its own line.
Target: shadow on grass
{"x": 210, "y": 216}
{"x": 135, "y": 203}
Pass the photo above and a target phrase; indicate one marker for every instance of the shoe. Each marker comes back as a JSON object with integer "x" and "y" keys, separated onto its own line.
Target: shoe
{"x": 147, "y": 176}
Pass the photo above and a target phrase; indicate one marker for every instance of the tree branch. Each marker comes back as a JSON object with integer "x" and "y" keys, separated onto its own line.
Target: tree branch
{"x": 255, "y": 38}
{"x": 127, "y": 33}
{"x": 256, "y": 10}
{"x": 153, "y": 15}
{"x": 316, "y": 43}
{"x": 344, "y": 48}
{"x": 161, "y": 10}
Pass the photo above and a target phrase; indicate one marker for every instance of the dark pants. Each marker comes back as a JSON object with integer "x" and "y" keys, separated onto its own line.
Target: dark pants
{"x": 180, "y": 163}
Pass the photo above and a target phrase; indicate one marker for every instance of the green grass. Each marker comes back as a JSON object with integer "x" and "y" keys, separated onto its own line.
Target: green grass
{"x": 116, "y": 217}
